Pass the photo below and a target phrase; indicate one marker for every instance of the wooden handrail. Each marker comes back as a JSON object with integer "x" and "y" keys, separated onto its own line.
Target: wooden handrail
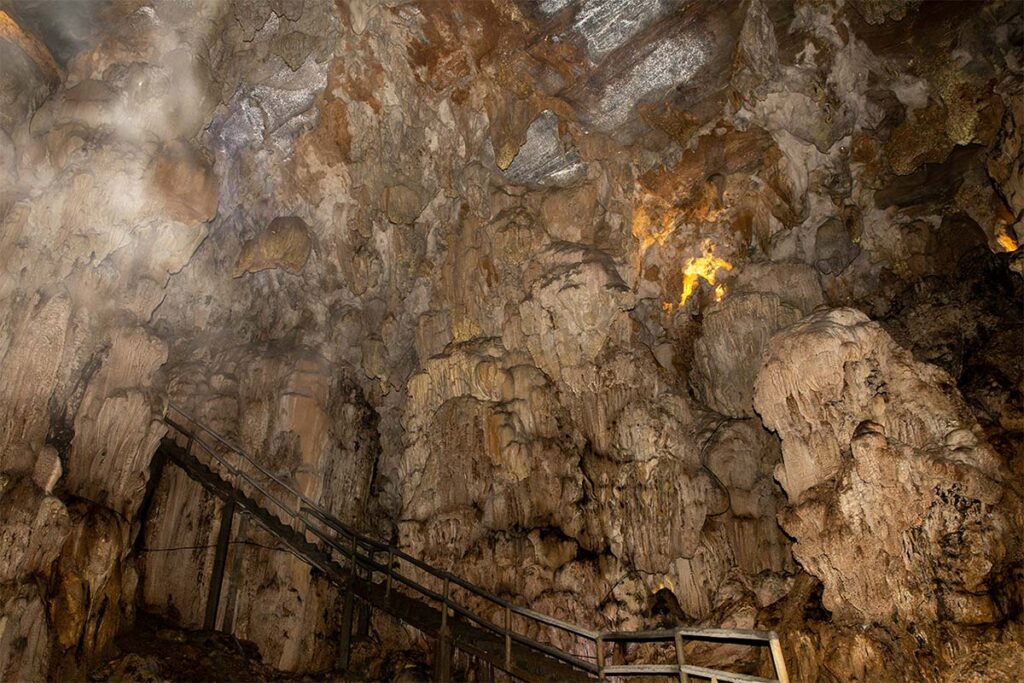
{"x": 312, "y": 517}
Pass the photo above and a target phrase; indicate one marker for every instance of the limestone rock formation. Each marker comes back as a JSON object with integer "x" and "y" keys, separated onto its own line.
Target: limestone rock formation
{"x": 883, "y": 461}
{"x": 639, "y": 313}
{"x": 728, "y": 354}
{"x": 284, "y": 244}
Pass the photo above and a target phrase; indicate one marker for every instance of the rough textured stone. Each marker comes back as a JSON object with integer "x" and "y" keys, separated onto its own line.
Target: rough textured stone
{"x": 881, "y": 461}
{"x": 727, "y": 356}
{"x": 283, "y": 244}
{"x": 534, "y": 255}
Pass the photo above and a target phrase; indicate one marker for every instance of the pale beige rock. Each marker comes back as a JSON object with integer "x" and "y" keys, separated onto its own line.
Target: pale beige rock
{"x": 727, "y": 356}
{"x": 185, "y": 182}
{"x": 796, "y": 284}
{"x": 882, "y": 460}
{"x": 285, "y": 243}
{"x": 742, "y": 456}
{"x": 495, "y": 372}
{"x": 30, "y": 369}
{"x": 575, "y": 294}
{"x": 116, "y": 431}
{"x": 830, "y": 370}
{"x": 48, "y": 469}
{"x": 34, "y": 527}
{"x": 26, "y": 650}
{"x": 477, "y": 409}
{"x": 403, "y": 203}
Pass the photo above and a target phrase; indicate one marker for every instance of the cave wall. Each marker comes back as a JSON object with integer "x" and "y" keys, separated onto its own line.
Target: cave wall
{"x": 570, "y": 297}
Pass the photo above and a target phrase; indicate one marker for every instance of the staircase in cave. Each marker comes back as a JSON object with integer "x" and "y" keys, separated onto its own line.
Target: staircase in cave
{"x": 379, "y": 576}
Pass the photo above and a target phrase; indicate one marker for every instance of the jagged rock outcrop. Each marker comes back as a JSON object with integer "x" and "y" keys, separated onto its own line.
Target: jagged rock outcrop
{"x": 883, "y": 463}
{"x": 728, "y": 354}
{"x": 310, "y": 426}
{"x": 284, "y": 244}
{"x": 496, "y": 279}
{"x": 481, "y": 410}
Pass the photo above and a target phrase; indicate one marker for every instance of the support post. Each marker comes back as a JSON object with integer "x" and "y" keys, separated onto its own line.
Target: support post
{"x": 231, "y": 600}
{"x": 681, "y": 659}
{"x": 346, "y": 627}
{"x": 443, "y": 658}
{"x": 220, "y": 557}
{"x": 363, "y": 614}
{"x": 780, "y": 664}
{"x": 600, "y": 659}
{"x": 363, "y": 609}
{"x": 387, "y": 589}
{"x": 508, "y": 639}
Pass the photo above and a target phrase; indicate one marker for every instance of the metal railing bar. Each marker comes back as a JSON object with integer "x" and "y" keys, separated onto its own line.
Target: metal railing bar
{"x": 240, "y": 452}
{"x": 464, "y": 611}
{"x": 238, "y": 473}
{"x": 462, "y": 583}
{"x": 553, "y": 651}
{"x": 473, "y": 616}
{"x": 340, "y": 527}
{"x": 418, "y": 587}
{"x": 691, "y": 633}
{"x": 673, "y": 669}
{"x": 362, "y": 560}
{"x": 557, "y": 623}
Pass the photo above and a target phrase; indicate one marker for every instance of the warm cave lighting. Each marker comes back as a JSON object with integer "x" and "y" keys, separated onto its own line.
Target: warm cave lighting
{"x": 395, "y": 340}
{"x": 649, "y": 228}
{"x": 1006, "y": 240}
{"x": 705, "y": 267}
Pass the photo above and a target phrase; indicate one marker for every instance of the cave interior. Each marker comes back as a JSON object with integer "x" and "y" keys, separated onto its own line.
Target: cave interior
{"x": 329, "y": 325}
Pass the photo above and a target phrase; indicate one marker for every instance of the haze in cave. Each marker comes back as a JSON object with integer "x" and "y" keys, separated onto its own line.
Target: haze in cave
{"x": 493, "y": 340}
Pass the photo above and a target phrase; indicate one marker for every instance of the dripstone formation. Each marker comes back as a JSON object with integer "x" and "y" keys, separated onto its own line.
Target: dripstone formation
{"x": 636, "y": 313}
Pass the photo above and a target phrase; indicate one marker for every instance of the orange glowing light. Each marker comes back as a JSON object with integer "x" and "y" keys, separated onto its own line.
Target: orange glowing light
{"x": 1006, "y": 240}
{"x": 705, "y": 267}
{"x": 652, "y": 222}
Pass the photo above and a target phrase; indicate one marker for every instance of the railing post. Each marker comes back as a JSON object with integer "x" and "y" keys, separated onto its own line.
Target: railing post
{"x": 444, "y": 609}
{"x": 230, "y": 602}
{"x": 363, "y": 613}
{"x": 387, "y": 587}
{"x": 680, "y": 659}
{"x": 777, "y": 661}
{"x": 600, "y": 658}
{"x": 443, "y": 659}
{"x": 220, "y": 556}
{"x": 508, "y": 638}
{"x": 298, "y": 517}
{"x": 346, "y": 627}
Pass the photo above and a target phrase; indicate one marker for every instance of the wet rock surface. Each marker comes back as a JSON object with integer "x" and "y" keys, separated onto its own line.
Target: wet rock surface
{"x": 636, "y": 313}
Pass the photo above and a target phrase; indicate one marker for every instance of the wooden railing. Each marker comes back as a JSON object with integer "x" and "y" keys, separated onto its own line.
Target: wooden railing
{"x": 386, "y": 564}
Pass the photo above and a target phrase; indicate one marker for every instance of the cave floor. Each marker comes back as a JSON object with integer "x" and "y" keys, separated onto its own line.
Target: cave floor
{"x": 157, "y": 650}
